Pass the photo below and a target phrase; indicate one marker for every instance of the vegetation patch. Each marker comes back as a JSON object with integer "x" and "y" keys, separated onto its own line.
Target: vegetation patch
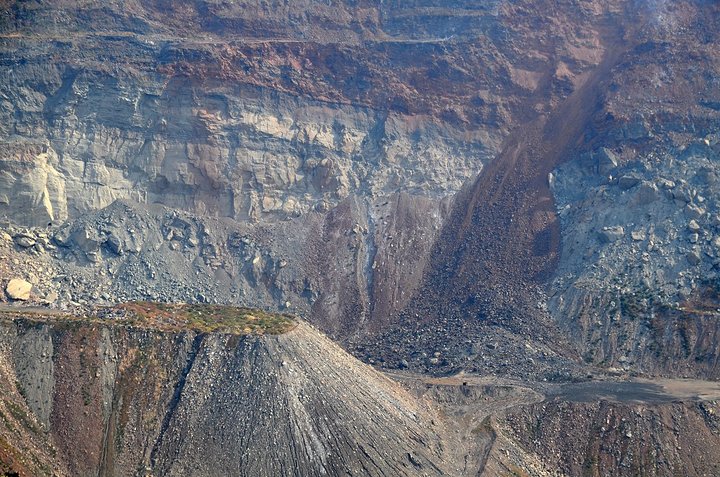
{"x": 204, "y": 318}
{"x": 167, "y": 317}
{"x": 21, "y": 416}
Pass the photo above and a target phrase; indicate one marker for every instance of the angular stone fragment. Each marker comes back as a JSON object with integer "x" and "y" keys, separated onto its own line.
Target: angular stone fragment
{"x": 693, "y": 257}
{"x": 611, "y": 234}
{"x": 638, "y": 235}
{"x": 24, "y": 241}
{"x": 647, "y": 193}
{"x": 62, "y": 236}
{"x": 628, "y": 181}
{"x": 86, "y": 240}
{"x": 694, "y": 212}
{"x": 115, "y": 244}
{"x": 683, "y": 194}
{"x": 606, "y": 160}
{"x": 18, "y": 289}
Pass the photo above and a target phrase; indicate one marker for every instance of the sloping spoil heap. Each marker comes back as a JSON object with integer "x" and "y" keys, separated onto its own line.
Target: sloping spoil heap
{"x": 105, "y": 397}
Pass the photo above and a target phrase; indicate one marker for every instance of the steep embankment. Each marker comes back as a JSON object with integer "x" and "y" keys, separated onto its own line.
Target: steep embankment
{"x": 119, "y": 400}
{"x": 106, "y": 397}
{"x": 609, "y": 438}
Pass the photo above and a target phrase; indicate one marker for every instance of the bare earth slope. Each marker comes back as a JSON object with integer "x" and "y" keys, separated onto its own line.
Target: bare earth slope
{"x": 113, "y": 400}
{"x": 100, "y": 397}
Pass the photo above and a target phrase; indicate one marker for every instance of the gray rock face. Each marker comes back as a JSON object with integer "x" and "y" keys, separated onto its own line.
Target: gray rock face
{"x": 255, "y": 113}
{"x": 252, "y": 158}
{"x": 33, "y": 352}
{"x": 86, "y": 136}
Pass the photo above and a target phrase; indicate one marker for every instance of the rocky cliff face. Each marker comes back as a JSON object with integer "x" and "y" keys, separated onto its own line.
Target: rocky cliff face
{"x": 234, "y": 125}
{"x": 369, "y": 125}
{"x": 334, "y": 154}
{"x": 246, "y": 116}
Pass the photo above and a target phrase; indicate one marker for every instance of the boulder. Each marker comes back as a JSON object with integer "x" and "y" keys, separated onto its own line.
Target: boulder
{"x": 25, "y": 241}
{"x": 694, "y": 211}
{"x": 114, "y": 243}
{"x": 666, "y": 184}
{"x": 683, "y": 195}
{"x": 51, "y": 297}
{"x": 647, "y": 193}
{"x": 18, "y": 289}
{"x": 706, "y": 176}
{"x": 638, "y": 235}
{"x": 606, "y": 160}
{"x": 693, "y": 257}
{"x": 611, "y": 234}
{"x": 628, "y": 181}
{"x": 62, "y": 236}
{"x": 86, "y": 239}
{"x": 551, "y": 180}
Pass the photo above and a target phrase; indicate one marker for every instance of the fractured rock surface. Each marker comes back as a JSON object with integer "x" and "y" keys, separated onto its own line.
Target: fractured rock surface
{"x": 18, "y": 289}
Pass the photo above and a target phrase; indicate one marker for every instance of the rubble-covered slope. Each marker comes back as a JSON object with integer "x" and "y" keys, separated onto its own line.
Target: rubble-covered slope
{"x": 340, "y": 133}
{"x": 637, "y": 279}
{"x": 609, "y": 438}
{"x": 118, "y": 400}
{"x": 343, "y": 205}
{"x": 344, "y": 140}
